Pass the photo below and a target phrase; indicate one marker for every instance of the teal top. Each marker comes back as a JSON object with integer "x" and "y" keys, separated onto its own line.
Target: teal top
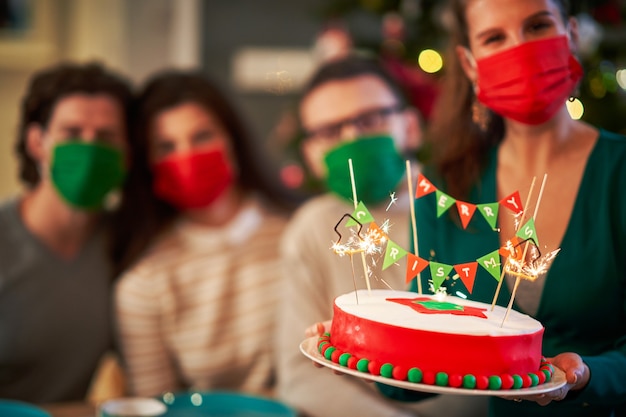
{"x": 583, "y": 303}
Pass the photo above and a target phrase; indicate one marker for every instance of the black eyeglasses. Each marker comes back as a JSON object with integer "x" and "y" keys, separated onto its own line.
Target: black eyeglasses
{"x": 369, "y": 121}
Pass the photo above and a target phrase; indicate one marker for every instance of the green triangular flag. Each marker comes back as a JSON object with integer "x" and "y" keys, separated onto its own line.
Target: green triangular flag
{"x": 444, "y": 202}
{"x": 393, "y": 254}
{"x": 528, "y": 231}
{"x": 362, "y": 214}
{"x": 491, "y": 262}
{"x": 439, "y": 273}
{"x": 489, "y": 212}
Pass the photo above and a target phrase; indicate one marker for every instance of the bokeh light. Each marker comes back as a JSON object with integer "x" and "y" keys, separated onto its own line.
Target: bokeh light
{"x": 430, "y": 60}
{"x": 620, "y": 76}
{"x": 196, "y": 399}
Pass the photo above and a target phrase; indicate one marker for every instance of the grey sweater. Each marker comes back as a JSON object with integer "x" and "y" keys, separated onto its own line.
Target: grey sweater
{"x": 54, "y": 314}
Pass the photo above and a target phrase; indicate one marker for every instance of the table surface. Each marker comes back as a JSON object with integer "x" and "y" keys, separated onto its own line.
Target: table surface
{"x": 70, "y": 409}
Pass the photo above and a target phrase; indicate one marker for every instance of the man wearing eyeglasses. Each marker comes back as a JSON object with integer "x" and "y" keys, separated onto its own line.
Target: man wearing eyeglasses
{"x": 351, "y": 109}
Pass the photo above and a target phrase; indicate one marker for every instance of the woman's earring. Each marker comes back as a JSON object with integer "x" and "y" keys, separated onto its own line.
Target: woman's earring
{"x": 575, "y": 94}
{"x": 480, "y": 115}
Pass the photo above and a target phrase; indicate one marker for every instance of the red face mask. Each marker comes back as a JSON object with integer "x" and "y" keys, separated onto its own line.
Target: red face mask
{"x": 194, "y": 180}
{"x": 529, "y": 83}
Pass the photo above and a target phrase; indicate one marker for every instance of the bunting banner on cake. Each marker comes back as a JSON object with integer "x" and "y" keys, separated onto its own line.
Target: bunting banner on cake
{"x": 491, "y": 263}
{"x": 466, "y": 210}
{"x": 466, "y": 271}
{"x": 414, "y": 265}
{"x": 528, "y": 231}
{"x": 439, "y": 271}
{"x": 489, "y": 212}
{"x": 376, "y": 233}
{"x": 513, "y": 202}
{"x": 393, "y": 253}
{"x": 362, "y": 214}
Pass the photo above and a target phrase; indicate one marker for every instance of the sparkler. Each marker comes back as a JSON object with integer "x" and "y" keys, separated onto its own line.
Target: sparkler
{"x": 537, "y": 264}
{"x": 352, "y": 182}
{"x": 413, "y": 221}
{"x": 530, "y": 270}
{"x": 509, "y": 245}
{"x": 370, "y": 243}
{"x": 393, "y": 198}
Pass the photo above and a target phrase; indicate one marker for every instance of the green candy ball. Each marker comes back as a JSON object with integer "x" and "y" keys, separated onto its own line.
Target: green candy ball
{"x": 517, "y": 382}
{"x": 534, "y": 380}
{"x": 386, "y": 370}
{"x": 343, "y": 359}
{"x": 441, "y": 379}
{"x": 414, "y": 375}
{"x": 469, "y": 381}
{"x": 329, "y": 352}
{"x": 495, "y": 382}
{"x": 362, "y": 364}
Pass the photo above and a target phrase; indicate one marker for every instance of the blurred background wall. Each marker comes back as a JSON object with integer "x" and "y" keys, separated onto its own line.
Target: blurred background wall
{"x": 261, "y": 51}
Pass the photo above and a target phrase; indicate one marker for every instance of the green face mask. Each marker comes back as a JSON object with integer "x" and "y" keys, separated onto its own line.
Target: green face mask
{"x": 377, "y": 166}
{"x": 84, "y": 173}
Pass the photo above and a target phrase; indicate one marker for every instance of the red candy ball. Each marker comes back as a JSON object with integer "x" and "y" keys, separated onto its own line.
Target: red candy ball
{"x": 541, "y": 376}
{"x": 324, "y": 348}
{"x": 455, "y": 380}
{"x": 429, "y": 378}
{"x": 399, "y": 373}
{"x": 352, "y": 362}
{"x": 507, "y": 381}
{"x": 526, "y": 381}
{"x": 482, "y": 382}
{"x": 374, "y": 368}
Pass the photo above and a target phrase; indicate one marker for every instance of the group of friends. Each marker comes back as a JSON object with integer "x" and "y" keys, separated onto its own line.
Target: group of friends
{"x": 150, "y": 227}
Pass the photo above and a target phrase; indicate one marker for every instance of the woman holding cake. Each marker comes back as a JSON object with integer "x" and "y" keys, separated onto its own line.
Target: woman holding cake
{"x": 503, "y": 120}
{"x": 195, "y": 304}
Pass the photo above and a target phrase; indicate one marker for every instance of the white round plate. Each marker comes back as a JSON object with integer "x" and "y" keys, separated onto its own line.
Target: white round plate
{"x": 309, "y": 348}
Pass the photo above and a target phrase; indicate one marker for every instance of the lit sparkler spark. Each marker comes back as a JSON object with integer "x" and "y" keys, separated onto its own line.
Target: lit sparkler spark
{"x": 531, "y": 268}
{"x": 441, "y": 292}
{"x": 510, "y": 248}
{"x": 385, "y": 226}
{"x": 371, "y": 244}
{"x": 517, "y": 219}
{"x": 393, "y": 198}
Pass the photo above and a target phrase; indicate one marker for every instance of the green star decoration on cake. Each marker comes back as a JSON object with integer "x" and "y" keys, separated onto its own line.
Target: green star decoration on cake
{"x": 440, "y": 305}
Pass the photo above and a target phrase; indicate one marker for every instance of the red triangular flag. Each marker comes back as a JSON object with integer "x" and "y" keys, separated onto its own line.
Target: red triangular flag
{"x": 376, "y": 233}
{"x": 414, "y": 265}
{"x": 510, "y": 248}
{"x": 513, "y": 202}
{"x": 466, "y": 211}
{"x": 424, "y": 187}
{"x": 467, "y": 273}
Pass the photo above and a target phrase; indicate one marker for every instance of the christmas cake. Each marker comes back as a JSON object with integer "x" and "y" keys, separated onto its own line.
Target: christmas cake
{"x": 435, "y": 339}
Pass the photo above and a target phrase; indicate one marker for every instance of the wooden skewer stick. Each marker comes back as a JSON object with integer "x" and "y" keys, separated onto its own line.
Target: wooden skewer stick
{"x": 356, "y": 203}
{"x": 517, "y": 280}
{"x": 413, "y": 222}
{"x": 530, "y": 193}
